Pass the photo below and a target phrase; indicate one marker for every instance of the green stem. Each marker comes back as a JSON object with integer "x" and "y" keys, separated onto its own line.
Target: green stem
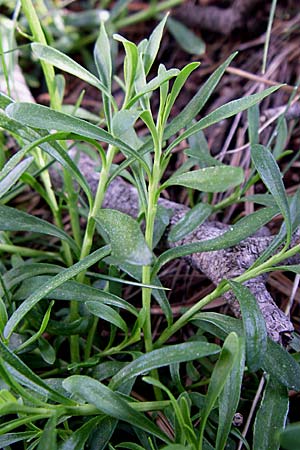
{"x": 90, "y": 339}
{"x": 221, "y": 289}
{"x": 150, "y": 219}
{"x": 28, "y": 252}
{"x": 147, "y": 14}
{"x": 89, "y": 234}
{"x": 38, "y": 35}
{"x": 90, "y": 228}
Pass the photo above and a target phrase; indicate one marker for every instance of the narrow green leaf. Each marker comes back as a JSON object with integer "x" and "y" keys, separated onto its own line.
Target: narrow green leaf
{"x": 47, "y": 351}
{"x": 218, "y": 324}
{"x": 103, "y": 61}
{"x": 254, "y": 326}
{"x": 186, "y": 39}
{"x": 3, "y": 314}
{"x": 108, "y": 314}
{"x": 223, "y": 112}
{"x": 278, "y": 362}
{"x": 290, "y": 437}
{"x": 209, "y": 179}
{"x": 162, "y": 300}
{"x": 11, "y": 219}
{"x": 219, "y": 376}
{"x": 130, "y": 63}
{"x": 38, "y": 116}
{"x": 281, "y": 137}
{"x": 229, "y": 397}
{"x": 130, "y": 446}
{"x": 65, "y": 63}
{"x": 38, "y": 139}
{"x": 271, "y": 416}
{"x": 193, "y": 219}
{"x": 282, "y": 366}
{"x": 28, "y": 377}
{"x": 162, "y": 77}
{"x": 123, "y": 127}
{"x": 280, "y": 237}
{"x": 295, "y": 268}
{"x": 79, "y": 437}
{"x": 102, "y": 56}
{"x": 177, "y": 86}
{"x": 165, "y": 356}
{"x": 162, "y": 220}
{"x": 14, "y": 175}
{"x": 241, "y": 230}
{"x": 56, "y": 281}
{"x": 125, "y": 236}
{"x": 199, "y": 100}
{"x": 72, "y": 291}
{"x": 253, "y": 127}
{"x": 153, "y": 45}
{"x": 110, "y": 403}
{"x": 4, "y": 100}
{"x": 48, "y": 437}
{"x": 199, "y": 151}
{"x": 269, "y": 172}
{"x": 12, "y": 438}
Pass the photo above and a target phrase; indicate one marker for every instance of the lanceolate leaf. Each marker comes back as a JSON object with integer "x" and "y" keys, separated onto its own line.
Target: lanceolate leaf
{"x": 14, "y": 175}
{"x": 110, "y": 403}
{"x": 200, "y": 152}
{"x": 153, "y": 44}
{"x": 56, "y": 281}
{"x": 269, "y": 172}
{"x": 223, "y": 112}
{"x": 271, "y": 416}
{"x": 239, "y": 231}
{"x": 29, "y": 378}
{"x": 107, "y": 313}
{"x": 72, "y": 290}
{"x": 187, "y": 40}
{"x": 290, "y": 437}
{"x": 198, "y": 101}
{"x": 230, "y": 396}
{"x": 254, "y": 326}
{"x": 79, "y": 437}
{"x": 125, "y": 236}
{"x": 219, "y": 376}
{"x": 11, "y": 219}
{"x": 277, "y": 362}
{"x": 193, "y": 218}
{"x": 177, "y": 86}
{"x": 282, "y": 366}
{"x": 48, "y": 437}
{"x": 163, "y": 357}
{"x": 209, "y": 179}
{"x": 65, "y": 63}
{"x": 102, "y": 56}
{"x": 38, "y": 116}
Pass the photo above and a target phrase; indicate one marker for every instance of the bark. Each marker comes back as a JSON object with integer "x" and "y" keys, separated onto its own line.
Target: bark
{"x": 216, "y": 265}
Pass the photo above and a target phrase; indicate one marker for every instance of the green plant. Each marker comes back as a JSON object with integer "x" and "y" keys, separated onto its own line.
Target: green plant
{"x": 53, "y": 307}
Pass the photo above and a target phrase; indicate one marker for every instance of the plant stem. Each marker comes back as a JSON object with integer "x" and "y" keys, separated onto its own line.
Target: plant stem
{"x": 150, "y": 219}
{"x": 147, "y": 14}
{"x": 221, "y": 289}
{"x": 90, "y": 229}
